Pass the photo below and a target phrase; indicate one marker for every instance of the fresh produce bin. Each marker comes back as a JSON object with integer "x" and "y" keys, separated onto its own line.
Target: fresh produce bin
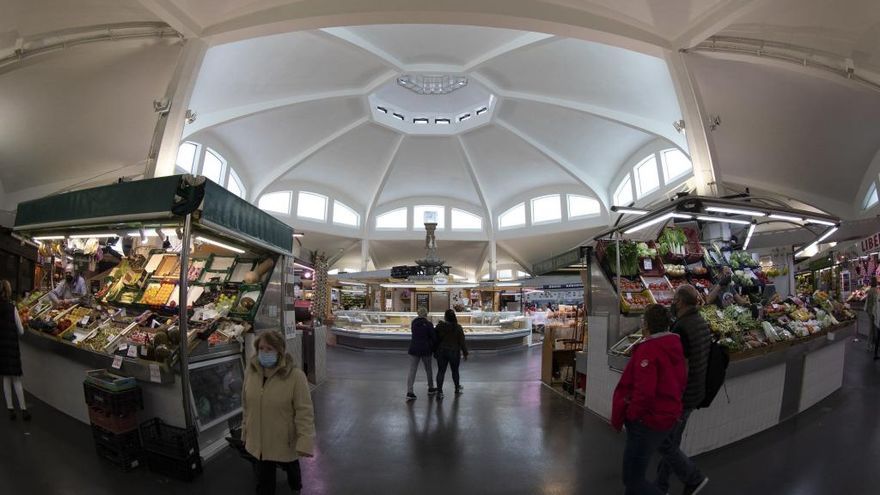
{"x": 113, "y": 423}
{"x": 118, "y": 403}
{"x": 110, "y": 382}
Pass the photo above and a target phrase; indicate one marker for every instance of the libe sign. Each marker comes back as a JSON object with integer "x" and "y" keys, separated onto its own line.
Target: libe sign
{"x": 871, "y": 243}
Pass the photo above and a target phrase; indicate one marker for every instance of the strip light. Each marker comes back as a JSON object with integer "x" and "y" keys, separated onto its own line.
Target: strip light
{"x": 220, "y": 244}
{"x": 736, "y": 211}
{"x": 817, "y": 241}
{"x": 96, "y": 234}
{"x": 820, "y": 222}
{"x": 623, "y": 210}
{"x": 48, "y": 238}
{"x": 749, "y": 236}
{"x": 429, "y": 286}
{"x": 786, "y": 217}
{"x": 655, "y": 221}
{"x": 723, "y": 220}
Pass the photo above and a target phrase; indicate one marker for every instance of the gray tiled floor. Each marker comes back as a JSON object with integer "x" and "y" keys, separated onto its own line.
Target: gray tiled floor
{"x": 506, "y": 434}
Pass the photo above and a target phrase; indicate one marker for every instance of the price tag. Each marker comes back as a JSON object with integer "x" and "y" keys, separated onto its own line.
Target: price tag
{"x": 123, "y": 347}
{"x": 155, "y": 376}
{"x": 117, "y": 362}
{"x": 144, "y": 351}
{"x": 629, "y": 296}
{"x": 85, "y": 321}
{"x": 649, "y": 265}
{"x": 132, "y": 351}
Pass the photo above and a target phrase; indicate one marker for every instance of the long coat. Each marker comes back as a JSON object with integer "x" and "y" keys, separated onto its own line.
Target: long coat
{"x": 278, "y": 421}
{"x": 10, "y": 355}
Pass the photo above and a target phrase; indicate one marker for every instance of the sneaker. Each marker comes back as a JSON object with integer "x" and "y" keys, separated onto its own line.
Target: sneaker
{"x": 25, "y": 415}
{"x": 432, "y": 391}
{"x": 439, "y": 394}
{"x": 12, "y": 415}
{"x": 693, "y": 489}
{"x": 459, "y": 390}
{"x": 410, "y": 397}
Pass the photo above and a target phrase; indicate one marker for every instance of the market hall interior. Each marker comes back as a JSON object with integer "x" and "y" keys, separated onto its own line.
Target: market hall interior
{"x": 207, "y": 172}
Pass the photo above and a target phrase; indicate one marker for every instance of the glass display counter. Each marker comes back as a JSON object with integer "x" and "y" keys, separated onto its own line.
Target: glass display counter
{"x": 384, "y": 330}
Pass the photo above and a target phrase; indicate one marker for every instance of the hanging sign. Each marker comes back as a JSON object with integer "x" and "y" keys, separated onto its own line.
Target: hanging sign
{"x": 871, "y": 243}
{"x": 440, "y": 280}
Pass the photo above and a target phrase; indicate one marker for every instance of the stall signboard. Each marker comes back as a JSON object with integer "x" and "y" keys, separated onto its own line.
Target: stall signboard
{"x": 440, "y": 280}
{"x": 870, "y": 244}
{"x": 423, "y": 300}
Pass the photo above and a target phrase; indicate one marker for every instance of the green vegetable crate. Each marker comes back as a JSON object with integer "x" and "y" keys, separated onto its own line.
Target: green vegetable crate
{"x": 253, "y": 292}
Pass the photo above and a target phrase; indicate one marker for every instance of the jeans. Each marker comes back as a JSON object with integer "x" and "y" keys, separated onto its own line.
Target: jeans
{"x": 414, "y": 368}
{"x": 641, "y": 442}
{"x": 673, "y": 460}
{"x": 266, "y": 476}
{"x": 448, "y": 357}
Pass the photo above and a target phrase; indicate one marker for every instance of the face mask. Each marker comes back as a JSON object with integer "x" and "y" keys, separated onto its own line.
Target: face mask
{"x": 268, "y": 359}
{"x": 69, "y": 279}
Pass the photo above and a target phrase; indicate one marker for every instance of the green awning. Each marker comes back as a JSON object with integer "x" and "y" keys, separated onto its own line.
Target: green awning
{"x": 221, "y": 207}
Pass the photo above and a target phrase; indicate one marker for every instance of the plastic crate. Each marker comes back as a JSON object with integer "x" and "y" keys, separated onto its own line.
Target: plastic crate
{"x": 171, "y": 441}
{"x": 110, "y": 382}
{"x": 128, "y": 444}
{"x": 113, "y": 422}
{"x": 116, "y": 403}
{"x": 185, "y": 469}
{"x": 125, "y": 460}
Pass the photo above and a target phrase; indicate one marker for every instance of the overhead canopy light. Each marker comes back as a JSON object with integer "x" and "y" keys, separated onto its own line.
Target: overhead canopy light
{"x": 220, "y": 244}
{"x": 432, "y": 84}
{"x": 654, "y": 221}
{"x": 428, "y": 286}
{"x": 625, "y": 210}
{"x": 788, "y": 218}
{"x": 735, "y": 211}
{"x": 95, "y": 235}
{"x": 820, "y": 222}
{"x": 723, "y": 220}
{"x": 48, "y": 237}
{"x": 749, "y": 236}
{"x": 815, "y": 244}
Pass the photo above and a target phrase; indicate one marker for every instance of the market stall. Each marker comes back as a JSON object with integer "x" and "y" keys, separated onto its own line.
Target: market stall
{"x": 787, "y": 352}
{"x": 200, "y": 271}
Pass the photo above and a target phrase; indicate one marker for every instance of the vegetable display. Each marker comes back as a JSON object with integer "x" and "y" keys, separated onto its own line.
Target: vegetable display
{"x": 671, "y": 241}
{"x": 629, "y": 258}
{"x": 742, "y": 259}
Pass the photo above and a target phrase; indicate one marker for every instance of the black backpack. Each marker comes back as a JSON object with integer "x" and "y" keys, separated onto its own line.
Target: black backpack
{"x": 716, "y": 371}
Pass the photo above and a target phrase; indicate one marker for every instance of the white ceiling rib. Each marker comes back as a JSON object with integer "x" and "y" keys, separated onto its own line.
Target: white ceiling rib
{"x": 389, "y": 166}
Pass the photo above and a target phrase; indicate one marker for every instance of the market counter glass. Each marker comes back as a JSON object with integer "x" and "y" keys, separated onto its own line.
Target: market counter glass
{"x": 391, "y": 331}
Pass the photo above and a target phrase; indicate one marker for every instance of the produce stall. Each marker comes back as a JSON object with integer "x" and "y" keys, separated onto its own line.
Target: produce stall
{"x": 787, "y": 352}
{"x": 201, "y": 270}
{"x": 390, "y": 330}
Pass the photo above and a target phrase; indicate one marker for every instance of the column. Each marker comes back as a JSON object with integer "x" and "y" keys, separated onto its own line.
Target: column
{"x": 365, "y": 254}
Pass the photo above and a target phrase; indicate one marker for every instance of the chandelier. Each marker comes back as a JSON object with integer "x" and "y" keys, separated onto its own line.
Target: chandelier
{"x": 432, "y": 85}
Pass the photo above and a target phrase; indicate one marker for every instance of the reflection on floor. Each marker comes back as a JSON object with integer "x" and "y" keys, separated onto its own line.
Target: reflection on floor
{"x": 506, "y": 434}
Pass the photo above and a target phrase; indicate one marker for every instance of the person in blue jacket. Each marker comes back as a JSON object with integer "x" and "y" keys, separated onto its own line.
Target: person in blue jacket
{"x": 420, "y": 350}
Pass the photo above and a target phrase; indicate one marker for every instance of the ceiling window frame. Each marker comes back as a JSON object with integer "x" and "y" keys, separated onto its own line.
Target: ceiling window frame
{"x": 540, "y": 200}
{"x": 289, "y": 195}
{"x": 393, "y": 228}
{"x": 309, "y": 216}
{"x": 643, "y": 164}
{"x": 871, "y": 198}
{"x": 348, "y": 209}
{"x": 196, "y": 158}
{"x": 233, "y": 177}
{"x": 568, "y": 210}
{"x": 626, "y": 183}
{"x": 224, "y": 165}
{"x": 510, "y": 211}
{"x": 667, "y": 179}
{"x": 464, "y": 213}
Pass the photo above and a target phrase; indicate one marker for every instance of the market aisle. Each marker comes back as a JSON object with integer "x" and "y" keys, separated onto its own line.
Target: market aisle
{"x": 506, "y": 434}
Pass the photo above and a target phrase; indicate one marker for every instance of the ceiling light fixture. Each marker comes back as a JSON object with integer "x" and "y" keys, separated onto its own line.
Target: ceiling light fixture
{"x": 820, "y": 222}
{"x": 463, "y": 117}
{"x": 220, "y": 244}
{"x": 398, "y": 116}
{"x": 735, "y": 211}
{"x": 749, "y": 236}
{"x": 382, "y": 109}
{"x": 723, "y": 220}
{"x": 817, "y": 241}
{"x": 421, "y": 121}
{"x": 441, "y": 84}
{"x": 625, "y": 210}
{"x": 89, "y": 236}
{"x": 653, "y": 221}
{"x": 788, "y": 218}
{"x": 482, "y": 110}
{"x": 48, "y": 238}
{"x": 441, "y": 121}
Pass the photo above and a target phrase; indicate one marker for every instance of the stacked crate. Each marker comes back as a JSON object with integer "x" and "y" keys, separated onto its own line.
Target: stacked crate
{"x": 171, "y": 451}
{"x": 113, "y": 407}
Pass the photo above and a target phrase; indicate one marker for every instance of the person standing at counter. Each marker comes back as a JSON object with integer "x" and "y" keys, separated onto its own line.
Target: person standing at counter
{"x": 278, "y": 422}
{"x": 724, "y": 293}
{"x": 648, "y": 397}
{"x": 696, "y": 339}
{"x": 70, "y": 290}
{"x": 420, "y": 347}
{"x": 10, "y": 355}
{"x": 450, "y": 347}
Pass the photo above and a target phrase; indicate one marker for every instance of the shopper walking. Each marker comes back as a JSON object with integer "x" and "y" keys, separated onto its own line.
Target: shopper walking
{"x": 278, "y": 420}
{"x": 696, "y": 339}
{"x": 648, "y": 397}
{"x": 450, "y": 348}
{"x": 10, "y": 355}
{"x": 872, "y": 307}
{"x": 421, "y": 346}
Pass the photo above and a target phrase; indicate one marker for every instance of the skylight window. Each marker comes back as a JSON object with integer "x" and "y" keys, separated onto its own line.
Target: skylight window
{"x": 344, "y": 215}
{"x": 213, "y": 166}
{"x": 505, "y": 274}
{"x": 441, "y": 121}
{"x": 512, "y": 218}
{"x": 546, "y": 209}
{"x": 463, "y": 220}
{"x": 582, "y": 206}
{"x": 463, "y": 117}
{"x": 382, "y": 109}
{"x": 647, "y": 179}
{"x": 312, "y": 206}
{"x": 482, "y": 110}
{"x": 234, "y": 184}
{"x": 623, "y": 196}
{"x": 278, "y": 202}
{"x": 394, "y": 219}
{"x": 675, "y": 165}
{"x": 186, "y": 156}
{"x": 423, "y": 213}
{"x": 421, "y": 121}
{"x": 870, "y": 198}
{"x": 398, "y": 116}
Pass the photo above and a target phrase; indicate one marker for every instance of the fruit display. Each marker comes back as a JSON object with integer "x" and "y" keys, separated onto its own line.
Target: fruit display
{"x": 196, "y": 267}
{"x": 157, "y": 294}
{"x": 635, "y": 302}
{"x": 701, "y": 283}
{"x": 657, "y": 283}
{"x": 627, "y": 285}
{"x": 675, "y": 270}
{"x": 169, "y": 267}
{"x": 698, "y": 270}
{"x": 225, "y": 302}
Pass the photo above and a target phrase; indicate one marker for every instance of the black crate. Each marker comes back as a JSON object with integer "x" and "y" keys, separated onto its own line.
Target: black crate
{"x": 115, "y": 403}
{"x": 167, "y": 440}
{"x": 125, "y": 460}
{"x": 185, "y": 469}
{"x": 125, "y": 443}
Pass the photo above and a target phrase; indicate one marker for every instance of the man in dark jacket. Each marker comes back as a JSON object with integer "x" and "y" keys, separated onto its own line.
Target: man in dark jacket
{"x": 695, "y": 340}
{"x": 420, "y": 349}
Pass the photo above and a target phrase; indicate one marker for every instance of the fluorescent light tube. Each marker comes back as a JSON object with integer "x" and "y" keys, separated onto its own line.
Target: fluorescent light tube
{"x": 220, "y": 244}
{"x": 48, "y": 238}
{"x": 735, "y": 211}
{"x": 655, "y": 221}
{"x": 96, "y": 234}
{"x": 749, "y": 236}
{"x": 826, "y": 235}
{"x": 723, "y": 220}
{"x": 786, "y": 217}
{"x": 820, "y": 222}
{"x": 629, "y": 211}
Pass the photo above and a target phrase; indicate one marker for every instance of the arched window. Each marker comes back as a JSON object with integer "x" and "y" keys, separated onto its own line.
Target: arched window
{"x": 392, "y": 220}
{"x": 234, "y": 184}
{"x": 213, "y": 166}
{"x": 582, "y": 206}
{"x": 546, "y": 209}
{"x": 647, "y": 179}
{"x": 512, "y": 218}
{"x": 463, "y": 220}
{"x": 186, "y": 156}
{"x": 278, "y": 202}
{"x": 623, "y": 196}
{"x": 871, "y": 197}
{"x": 312, "y": 206}
{"x": 675, "y": 164}
{"x": 343, "y": 215}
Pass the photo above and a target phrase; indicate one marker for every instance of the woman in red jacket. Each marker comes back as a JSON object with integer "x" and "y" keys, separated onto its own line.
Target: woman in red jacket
{"x": 648, "y": 397}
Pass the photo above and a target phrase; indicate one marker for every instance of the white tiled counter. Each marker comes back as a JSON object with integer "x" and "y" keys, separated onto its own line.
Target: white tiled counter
{"x": 759, "y": 393}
